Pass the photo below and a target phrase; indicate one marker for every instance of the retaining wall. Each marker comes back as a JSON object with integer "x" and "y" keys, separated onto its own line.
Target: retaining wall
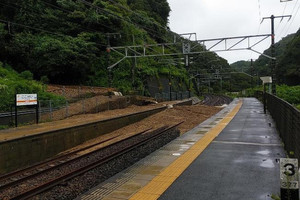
{"x": 18, "y": 153}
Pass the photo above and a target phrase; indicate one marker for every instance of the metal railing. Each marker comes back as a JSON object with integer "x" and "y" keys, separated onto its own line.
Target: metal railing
{"x": 51, "y": 110}
{"x": 287, "y": 119}
{"x": 167, "y": 96}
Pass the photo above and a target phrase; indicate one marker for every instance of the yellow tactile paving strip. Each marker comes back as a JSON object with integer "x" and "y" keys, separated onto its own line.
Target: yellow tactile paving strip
{"x": 158, "y": 185}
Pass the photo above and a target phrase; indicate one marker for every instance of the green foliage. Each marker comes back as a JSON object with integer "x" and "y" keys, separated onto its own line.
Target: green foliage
{"x": 12, "y": 83}
{"x": 287, "y": 68}
{"x": 289, "y": 93}
{"x": 26, "y": 75}
{"x": 241, "y": 66}
{"x": 64, "y": 42}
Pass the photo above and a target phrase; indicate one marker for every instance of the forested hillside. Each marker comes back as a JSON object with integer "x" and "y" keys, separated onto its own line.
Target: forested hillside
{"x": 287, "y": 52}
{"x": 11, "y": 83}
{"x": 66, "y": 41}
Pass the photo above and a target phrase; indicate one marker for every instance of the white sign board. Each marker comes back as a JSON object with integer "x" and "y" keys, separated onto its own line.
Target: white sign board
{"x": 266, "y": 79}
{"x": 186, "y": 48}
{"x": 289, "y": 173}
{"x": 26, "y": 99}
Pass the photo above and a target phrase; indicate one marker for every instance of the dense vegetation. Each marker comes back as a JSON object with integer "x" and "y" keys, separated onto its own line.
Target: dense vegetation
{"x": 290, "y": 93}
{"x": 65, "y": 41}
{"x": 12, "y": 83}
{"x": 287, "y": 69}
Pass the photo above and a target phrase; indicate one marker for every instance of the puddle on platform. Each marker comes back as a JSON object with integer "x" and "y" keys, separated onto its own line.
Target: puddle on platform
{"x": 121, "y": 194}
{"x": 152, "y": 170}
{"x": 207, "y": 127}
{"x": 264, "y": 136}
{"x": 265, "y": 152}
{"x": 201, "y": 132}
{"x": 176, "y": 154}
{"x": 235, "y": 130}
{"x": 267, "y": 163}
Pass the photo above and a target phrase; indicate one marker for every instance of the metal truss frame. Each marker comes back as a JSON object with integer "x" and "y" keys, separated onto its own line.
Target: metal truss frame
{"x": 188, "y": 47}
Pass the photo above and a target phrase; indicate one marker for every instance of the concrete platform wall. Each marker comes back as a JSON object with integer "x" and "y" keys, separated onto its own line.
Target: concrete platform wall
{"x": 19, "y": 153}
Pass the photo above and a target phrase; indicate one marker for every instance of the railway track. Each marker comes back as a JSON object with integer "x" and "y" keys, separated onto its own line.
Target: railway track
{"x": 39, "y": 178}
{"x": 215, "y": 100}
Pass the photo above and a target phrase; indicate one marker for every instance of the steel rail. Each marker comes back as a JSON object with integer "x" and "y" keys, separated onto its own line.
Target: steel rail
{"x": 49, "y": 162}
{"x": 46, "y": 186}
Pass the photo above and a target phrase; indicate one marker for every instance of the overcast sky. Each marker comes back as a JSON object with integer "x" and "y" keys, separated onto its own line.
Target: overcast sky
{"x": 220, "y": 18}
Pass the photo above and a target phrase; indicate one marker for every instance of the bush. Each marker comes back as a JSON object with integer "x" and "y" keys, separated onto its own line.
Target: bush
{"x": 12, "y": 83}
{"x": 26, "y": 75}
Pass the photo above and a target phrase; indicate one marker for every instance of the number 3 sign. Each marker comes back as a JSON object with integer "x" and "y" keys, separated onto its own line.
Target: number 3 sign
{"x": 289, "y": 173}
{"x": 289, "y": 180}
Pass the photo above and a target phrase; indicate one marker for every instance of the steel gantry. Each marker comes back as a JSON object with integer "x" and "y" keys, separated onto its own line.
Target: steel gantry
{"x": 188, "y": 47}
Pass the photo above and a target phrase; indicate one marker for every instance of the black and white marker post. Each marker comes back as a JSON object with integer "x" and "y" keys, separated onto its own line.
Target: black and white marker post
{"x": 289, "y": 179}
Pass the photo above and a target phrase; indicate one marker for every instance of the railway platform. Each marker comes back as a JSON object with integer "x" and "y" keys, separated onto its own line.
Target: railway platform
{"x": 233, "y": 155}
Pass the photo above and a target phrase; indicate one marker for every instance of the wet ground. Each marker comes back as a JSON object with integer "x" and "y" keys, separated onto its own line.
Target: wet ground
{"x": 241, "y": 163}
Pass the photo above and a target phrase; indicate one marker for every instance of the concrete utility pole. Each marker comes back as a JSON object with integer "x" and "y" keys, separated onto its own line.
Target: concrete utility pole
{"x": 251, "y": 73}
{"x": 134, "y": 64}
{"x": 273, "y": 60}
{"x": 108, "y": 50}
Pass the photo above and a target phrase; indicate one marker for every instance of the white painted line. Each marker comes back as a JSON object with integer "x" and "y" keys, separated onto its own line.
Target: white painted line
{"x": 246, "y": 143}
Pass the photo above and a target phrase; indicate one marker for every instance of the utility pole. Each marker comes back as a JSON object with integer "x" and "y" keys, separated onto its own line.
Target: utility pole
{"x": 170, "y": 85}
{"x": 108, "y": 50}
{"x": 251, "y": 69}
{"x": 134, "y": 63}
{"x": 273, "y": 60}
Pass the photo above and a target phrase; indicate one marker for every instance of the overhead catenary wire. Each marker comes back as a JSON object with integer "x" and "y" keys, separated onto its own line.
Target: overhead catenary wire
{"x": 260, "y": 18}
{"x": 98, "y": 9}
{"x": 284, "y": 28}
{"x": 141, "y": 17}
{"x": 283, "y": 12}
{"x": 11, "y": 5}
{"x": 42, "y": 30}
{"x": 150, "y": 31}
{"x": 293, "y": 18}
{"x": 70, "y": 11}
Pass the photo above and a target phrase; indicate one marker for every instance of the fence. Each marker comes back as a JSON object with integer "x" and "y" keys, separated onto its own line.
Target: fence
{"x": 287, "y": 119}
{"x": 51, "y": 110}
{"x": 167, "y": 96}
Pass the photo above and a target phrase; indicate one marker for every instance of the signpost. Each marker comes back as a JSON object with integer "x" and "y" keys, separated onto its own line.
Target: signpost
{"x": 26, "y": 100}
{"x": 289, "y": 179}
{"x": 265, "y": 80}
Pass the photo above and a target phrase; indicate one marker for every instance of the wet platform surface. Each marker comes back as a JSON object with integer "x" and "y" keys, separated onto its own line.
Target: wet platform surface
{"x": 130, "y": 181}
{"x": 241, "y": 163}
{"x": 233, "y": 155}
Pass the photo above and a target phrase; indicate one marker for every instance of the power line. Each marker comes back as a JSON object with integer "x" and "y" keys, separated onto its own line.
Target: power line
{"x": 98, "y": 9}
{"x": 259, "y": 10}
{"x": 281, "y": 32}
{"x": 276, "y": 29}
{"x": 287, "y": 21}
{"x": 293, "y": 20}
{"x": 39, "y": 13}
{"x": 70, "y": 11}
{"x": 141, "y": 17}
{"x": 43, "y": 30}
{"x": 30, "y": 27}
{"x": 121, "y": 18}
